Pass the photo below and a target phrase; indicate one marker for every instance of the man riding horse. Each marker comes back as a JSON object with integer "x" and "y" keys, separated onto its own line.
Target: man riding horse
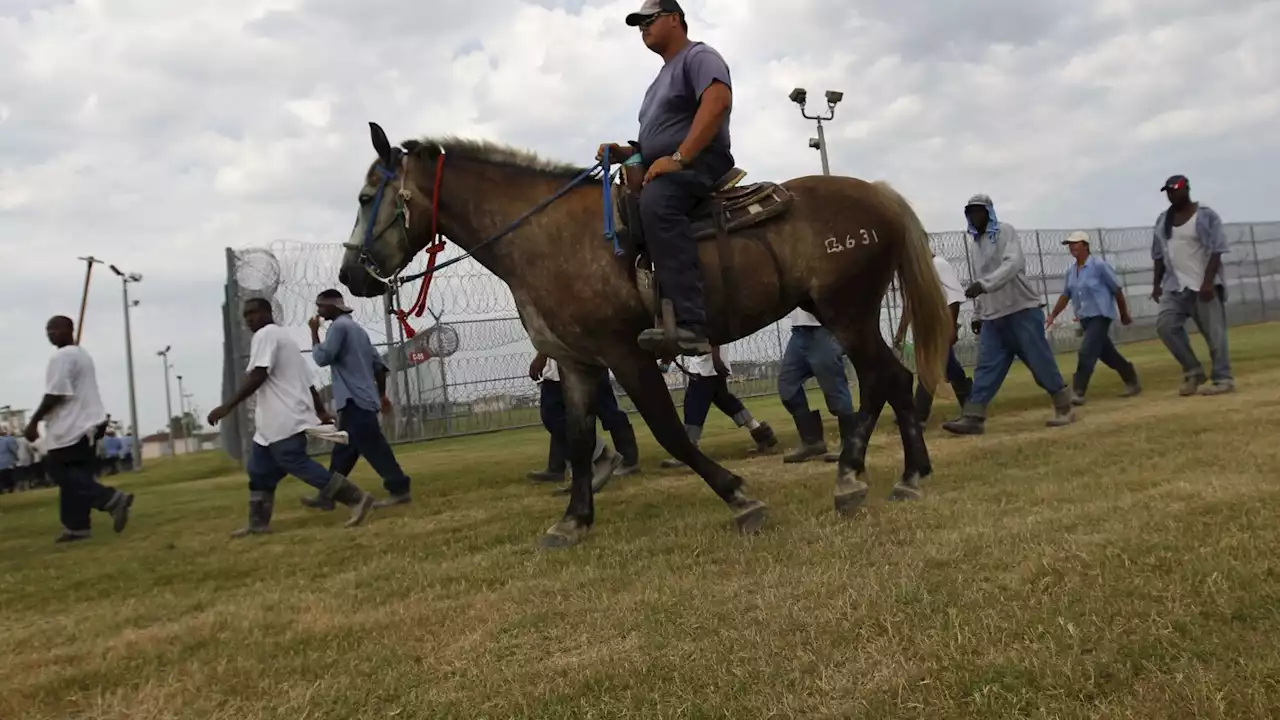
{"x": 683, "y": 147}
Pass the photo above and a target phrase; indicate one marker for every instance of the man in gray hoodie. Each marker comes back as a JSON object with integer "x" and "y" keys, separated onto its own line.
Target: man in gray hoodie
{"x": 1012, "y": 322}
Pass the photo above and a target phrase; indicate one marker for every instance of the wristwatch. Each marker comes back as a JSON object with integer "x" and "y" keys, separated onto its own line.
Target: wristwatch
{"x": 678, "y": 158}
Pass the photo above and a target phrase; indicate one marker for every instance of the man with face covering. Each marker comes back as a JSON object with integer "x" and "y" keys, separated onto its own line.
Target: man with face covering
{"x": 1187, "y": 248}
{"x": 1012, "y": 321}
{"x": 684, "y": 147}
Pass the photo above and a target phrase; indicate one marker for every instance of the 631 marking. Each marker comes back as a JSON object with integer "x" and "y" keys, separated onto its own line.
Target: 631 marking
{"x": 835, "y": 245}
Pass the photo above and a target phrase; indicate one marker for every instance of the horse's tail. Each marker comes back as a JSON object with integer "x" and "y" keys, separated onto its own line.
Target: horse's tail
{"x": 931, "y": 322}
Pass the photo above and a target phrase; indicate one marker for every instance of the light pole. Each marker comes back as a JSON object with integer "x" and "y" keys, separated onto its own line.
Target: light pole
{"x": 168, "y": 404}
{"x": 182, "y": 417}
{"x": 799, "y": 96}
{"x": 125, "y": 279}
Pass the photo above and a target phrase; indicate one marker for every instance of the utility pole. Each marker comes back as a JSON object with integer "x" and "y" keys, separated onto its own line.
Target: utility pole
{"x": 168, "y": 404}
{"x": 89, "y": 262}
{"x": 800, "y": 96}
{"x": 182, "y": 417}
{"x": 125, "y": 279}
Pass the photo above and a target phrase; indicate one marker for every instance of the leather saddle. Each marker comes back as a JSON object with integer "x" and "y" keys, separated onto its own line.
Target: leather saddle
{"x": 730, "y": 208}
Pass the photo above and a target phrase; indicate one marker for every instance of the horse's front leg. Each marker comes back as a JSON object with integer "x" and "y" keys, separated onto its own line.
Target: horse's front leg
{"x": 580, "y": 383}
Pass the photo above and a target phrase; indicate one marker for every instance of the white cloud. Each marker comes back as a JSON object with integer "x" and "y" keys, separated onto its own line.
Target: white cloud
{"x": 154, "y": 134}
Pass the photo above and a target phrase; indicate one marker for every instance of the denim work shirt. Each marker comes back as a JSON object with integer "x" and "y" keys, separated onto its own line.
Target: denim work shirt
{"x": 1209, "y": 230}
{"x": 1092, "y": 289}
{"x": 351, "y": 355}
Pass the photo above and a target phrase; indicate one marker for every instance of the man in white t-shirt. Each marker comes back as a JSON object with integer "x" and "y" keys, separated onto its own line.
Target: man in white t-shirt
{"x": 74, "y": 419}
{"x": 813, "y": 352}
{"x": 286, "y": 405}
{"x": 953, "y": 291}
{"x": 709, "y": 384}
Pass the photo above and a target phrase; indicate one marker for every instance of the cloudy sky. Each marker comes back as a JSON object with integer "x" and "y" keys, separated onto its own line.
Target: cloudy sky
{"x": 156, "y": 133}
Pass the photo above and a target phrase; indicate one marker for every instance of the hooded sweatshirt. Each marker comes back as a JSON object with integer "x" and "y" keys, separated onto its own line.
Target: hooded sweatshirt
{"x": 1000, "y": 266}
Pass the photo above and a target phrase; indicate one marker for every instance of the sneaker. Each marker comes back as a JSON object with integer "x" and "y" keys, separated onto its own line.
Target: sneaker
{"x": 1218, "y": 388}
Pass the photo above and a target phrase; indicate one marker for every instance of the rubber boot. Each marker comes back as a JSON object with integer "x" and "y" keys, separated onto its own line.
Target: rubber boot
{"x": 118, "y": 508}
{"x": 695, "y": 435}
{"x": 555, "y": 463}
{"x": 765, "y": 439}
{"x": 604, "y": 465}
{"x": 1132, "y": 386}
{"x": 624, "y": 441}
{"x": 812, "y": 443}
{"x": 342, "y": 490}
{"x": 972, "y": 421}
{"x": 1063, "y": 412}
{"x": 261, "y": 504}
{"x": 1077, "y": 392}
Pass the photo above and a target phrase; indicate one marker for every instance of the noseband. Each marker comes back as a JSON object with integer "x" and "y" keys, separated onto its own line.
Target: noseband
{"x": 402, "y": 218}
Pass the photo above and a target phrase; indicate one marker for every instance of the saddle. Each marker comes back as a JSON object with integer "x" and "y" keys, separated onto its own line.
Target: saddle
{"x": 729, "y": 208}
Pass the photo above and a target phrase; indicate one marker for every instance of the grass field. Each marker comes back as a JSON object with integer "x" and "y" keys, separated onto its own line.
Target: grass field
{"x": 1124, "y": 567}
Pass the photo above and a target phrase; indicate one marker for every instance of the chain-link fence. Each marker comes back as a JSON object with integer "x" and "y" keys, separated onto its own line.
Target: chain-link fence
{"x": 484, "y": 386}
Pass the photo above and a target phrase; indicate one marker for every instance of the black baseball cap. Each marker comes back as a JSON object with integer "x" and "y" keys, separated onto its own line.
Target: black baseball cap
{"x": 654, "y": 7}
{"x": 1175, "y": 182}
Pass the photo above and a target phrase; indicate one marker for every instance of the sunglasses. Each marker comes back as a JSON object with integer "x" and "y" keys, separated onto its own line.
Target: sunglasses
{"x": 652, "y": 19}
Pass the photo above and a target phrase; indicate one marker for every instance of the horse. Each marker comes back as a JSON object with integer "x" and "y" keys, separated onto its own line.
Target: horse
{"x": 832, "y": 249}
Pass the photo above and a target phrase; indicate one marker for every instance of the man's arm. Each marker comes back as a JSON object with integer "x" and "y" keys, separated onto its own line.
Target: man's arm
{"x": 47, "y": 404}
{"x": 324, "y": 353}
{"x": 318, "y": 401}
{"x": 1012, "y": 263}
{"x": 252, "y": 382}
{"x": 713, "y": 106}
{"x": 380, "y": 377}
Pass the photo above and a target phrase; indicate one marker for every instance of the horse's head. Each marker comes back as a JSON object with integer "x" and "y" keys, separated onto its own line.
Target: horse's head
{"x": 393, "y": 223}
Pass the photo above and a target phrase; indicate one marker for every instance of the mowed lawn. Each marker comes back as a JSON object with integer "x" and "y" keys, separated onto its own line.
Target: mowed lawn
{"x": 1125, "y": 567}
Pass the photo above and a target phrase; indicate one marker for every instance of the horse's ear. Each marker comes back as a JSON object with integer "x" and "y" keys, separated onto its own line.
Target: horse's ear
{"x": 380, "y": 142}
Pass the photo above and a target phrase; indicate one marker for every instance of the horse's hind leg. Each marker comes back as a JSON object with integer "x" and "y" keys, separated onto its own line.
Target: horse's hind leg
{"x": 580, "y": 384}
{"x": 855, "y": 430}
{"x": 895, "y": 382}
{"x": 640, "y": 377}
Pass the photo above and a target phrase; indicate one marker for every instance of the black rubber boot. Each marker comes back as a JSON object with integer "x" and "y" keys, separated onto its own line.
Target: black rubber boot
{"x": 765, "y": 439}
{"x": 342, "y": 490}
{"x": 624, "y": 441}
{"x": 261, "y": 505}
{"x": 556, "y": 462}
{"x": 118, "y": 508}
{"x": 812, "y": 442}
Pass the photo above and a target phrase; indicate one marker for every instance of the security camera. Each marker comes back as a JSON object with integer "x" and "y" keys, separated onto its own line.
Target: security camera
{"x": 135, "y": 277}
{"x": 834, "y": 96}
{"x": 798, "y": 96}
{"x": 815, "y": 143}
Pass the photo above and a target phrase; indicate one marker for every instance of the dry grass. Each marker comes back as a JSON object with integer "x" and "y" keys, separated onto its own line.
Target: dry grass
{"x": 1123, "y": 567}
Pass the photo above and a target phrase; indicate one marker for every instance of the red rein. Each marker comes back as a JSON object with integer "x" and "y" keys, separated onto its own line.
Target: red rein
{"x": 420, "y": 304}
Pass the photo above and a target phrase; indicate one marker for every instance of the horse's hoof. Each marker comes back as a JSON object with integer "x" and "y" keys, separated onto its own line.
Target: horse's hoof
{"x": 564, "y": 534}
{"x": 903, "y": 491}
{"x": 751, "y": 518}
{"x": 849, "y": 496}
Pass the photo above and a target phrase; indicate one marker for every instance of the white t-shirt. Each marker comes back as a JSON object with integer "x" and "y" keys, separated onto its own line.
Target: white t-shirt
{"x": 804, "y": 319}
{"x": 1187, "y": 255}
{"x": 71, "y": 375}
{"x": 704, "y": 365}
{"x": 284, "y": 406}
{"x": 951, "y": 287}
{"x": 551, "y": 371}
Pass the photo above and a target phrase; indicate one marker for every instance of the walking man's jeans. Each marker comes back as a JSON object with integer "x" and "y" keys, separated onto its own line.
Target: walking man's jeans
{"x": 1096, "y": 345}
{"x": 365, "y": 438}
{"x": 1018, "y": 335}
{"x": 665, "y": 204}
{"x": 554, "y": 415}
{"x": 814, "y": 352}
{"x": 268, "y": 464}
{"x": 1210, "y": 318}
{"x": 72, "y": 468}
{"x": 703, "y": 391}
{"x": 956, "y": 377}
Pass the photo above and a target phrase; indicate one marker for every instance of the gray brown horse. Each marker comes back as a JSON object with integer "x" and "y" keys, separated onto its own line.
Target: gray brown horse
{"x": 833, "y": 252}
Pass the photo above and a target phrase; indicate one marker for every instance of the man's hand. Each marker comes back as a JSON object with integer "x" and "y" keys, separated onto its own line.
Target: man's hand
{"x": 1049, "y": 321}
{"x": 1207, "y": 292}
{"x": 537, "y": 367}
{"x": 326, "y": 418}
{"x": 32, "y": 433}
{"x": 314, "y": 323}
{"x": 976, "y": 326}
{"x": 974, "y": 290}
{"x": 719, "y": 367}
{"x": 386, "y": 405}
{"x": 1156, "y": 292}
{"x": 216, "y": 414}
{"x": 660, "y": 167}
{"x": 1125, "y": 318}
{"x": 617, "y": 152}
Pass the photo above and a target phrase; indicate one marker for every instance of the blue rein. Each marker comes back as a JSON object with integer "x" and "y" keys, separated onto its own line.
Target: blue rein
{"x": 610, "y": 233}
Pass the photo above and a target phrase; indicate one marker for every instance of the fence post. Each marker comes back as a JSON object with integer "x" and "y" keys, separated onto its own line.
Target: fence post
{"x": 1044, "y": 279}
{"x": 1257, "y": 271}
{"x": 393, "y": 374}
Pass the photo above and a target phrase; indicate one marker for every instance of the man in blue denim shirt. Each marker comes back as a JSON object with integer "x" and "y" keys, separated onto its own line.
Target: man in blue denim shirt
{"x": 1012, "y": 321}
{"x": 1187, "y": 247}
{"x": 1094, "y": 291}
{"x": 359, "y": 392}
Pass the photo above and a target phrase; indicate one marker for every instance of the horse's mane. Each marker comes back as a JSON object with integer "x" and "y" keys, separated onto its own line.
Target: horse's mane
{"x": 493, "y": 153}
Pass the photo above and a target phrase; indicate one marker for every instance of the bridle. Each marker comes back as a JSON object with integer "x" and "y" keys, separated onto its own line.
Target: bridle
{"x": 402, "y": 218}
